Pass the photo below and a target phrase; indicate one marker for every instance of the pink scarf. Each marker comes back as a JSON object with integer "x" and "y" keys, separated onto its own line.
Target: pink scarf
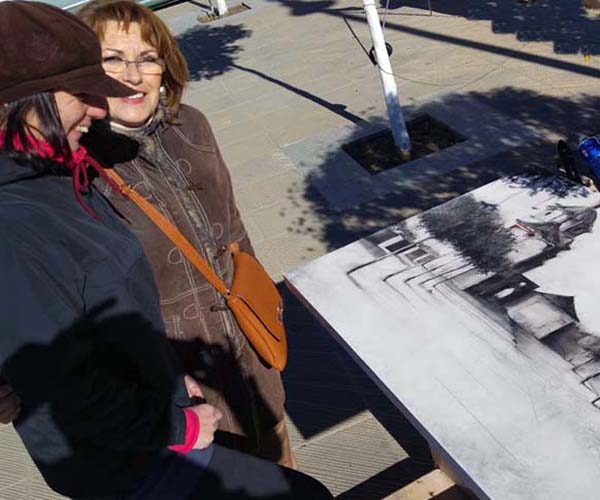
{"x": 78, "y": 165}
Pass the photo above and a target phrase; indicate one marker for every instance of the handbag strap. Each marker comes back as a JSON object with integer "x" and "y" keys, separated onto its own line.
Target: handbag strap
{"x": 171, "y": 232}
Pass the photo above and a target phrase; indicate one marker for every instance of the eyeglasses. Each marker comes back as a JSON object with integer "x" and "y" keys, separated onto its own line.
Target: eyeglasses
{"x": 148, "y": 65}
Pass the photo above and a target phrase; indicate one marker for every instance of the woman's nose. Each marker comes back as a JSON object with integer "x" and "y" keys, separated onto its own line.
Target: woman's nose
{"x": 132, "y": 73}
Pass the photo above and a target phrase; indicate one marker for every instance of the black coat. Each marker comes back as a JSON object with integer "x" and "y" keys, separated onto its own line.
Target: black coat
{"x": 81, "y": 338}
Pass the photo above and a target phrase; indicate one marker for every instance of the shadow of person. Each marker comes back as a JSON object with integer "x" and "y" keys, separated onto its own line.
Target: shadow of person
{"x": 223, "y": 378}
{"x": 98, "y": 398}
{"x": 97, "y": 404}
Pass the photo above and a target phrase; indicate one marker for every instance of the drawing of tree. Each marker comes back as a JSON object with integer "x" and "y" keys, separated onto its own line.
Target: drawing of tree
{"x": 475, "y": 230}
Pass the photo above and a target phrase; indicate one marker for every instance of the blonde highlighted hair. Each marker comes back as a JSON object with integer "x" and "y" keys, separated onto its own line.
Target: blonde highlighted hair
{"x": 154, "y": 32}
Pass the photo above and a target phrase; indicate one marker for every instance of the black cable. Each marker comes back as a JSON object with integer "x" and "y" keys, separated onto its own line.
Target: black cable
{"x": 371, "y": 55}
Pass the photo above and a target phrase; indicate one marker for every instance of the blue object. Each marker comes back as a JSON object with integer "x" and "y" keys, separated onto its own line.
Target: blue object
{"x": 589, "y": 148}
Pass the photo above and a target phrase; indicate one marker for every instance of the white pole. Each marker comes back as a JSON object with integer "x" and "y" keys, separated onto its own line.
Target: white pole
{"x": 390, "y": 91}
{"x": 221, "y": 7}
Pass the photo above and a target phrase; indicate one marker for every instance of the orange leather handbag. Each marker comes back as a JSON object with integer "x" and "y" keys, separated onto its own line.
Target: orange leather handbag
{"x": 253, "y": 298}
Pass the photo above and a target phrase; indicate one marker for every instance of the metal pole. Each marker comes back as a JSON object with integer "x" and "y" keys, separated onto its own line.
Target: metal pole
{"x": 390, "y": 91}
{"x": 222, "y": 7}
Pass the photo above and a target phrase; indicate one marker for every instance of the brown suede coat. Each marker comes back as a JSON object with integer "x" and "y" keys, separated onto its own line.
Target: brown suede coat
{"x": 180, "y": 170}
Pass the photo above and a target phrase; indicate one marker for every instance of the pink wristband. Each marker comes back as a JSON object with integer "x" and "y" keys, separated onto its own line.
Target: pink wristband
{"x": 192, "y": 430}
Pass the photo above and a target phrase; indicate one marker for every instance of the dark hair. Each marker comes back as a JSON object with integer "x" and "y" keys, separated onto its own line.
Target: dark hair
{"x": 13, "y": 119}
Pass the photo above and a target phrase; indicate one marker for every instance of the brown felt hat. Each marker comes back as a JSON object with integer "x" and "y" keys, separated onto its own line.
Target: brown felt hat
{"x": 43, "y": 48}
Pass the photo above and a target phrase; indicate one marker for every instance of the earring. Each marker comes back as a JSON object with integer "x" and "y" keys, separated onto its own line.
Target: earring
{"x": 163, "y": 106}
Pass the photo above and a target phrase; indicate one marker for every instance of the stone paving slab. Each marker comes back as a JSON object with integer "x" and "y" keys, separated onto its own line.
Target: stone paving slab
{"x": 335, "y": 460}
{"x": 19, "y": 478}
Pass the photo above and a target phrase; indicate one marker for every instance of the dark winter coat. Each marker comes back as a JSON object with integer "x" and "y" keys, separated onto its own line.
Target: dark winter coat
{"x": 82, "y": 340}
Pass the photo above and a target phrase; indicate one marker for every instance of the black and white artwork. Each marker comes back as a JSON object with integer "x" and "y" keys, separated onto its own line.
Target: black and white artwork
{"x": 513, "y": 258}
{"x": 480, "y": 318}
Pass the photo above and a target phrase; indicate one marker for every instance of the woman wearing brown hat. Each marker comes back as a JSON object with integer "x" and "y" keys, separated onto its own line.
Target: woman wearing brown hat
{"x": 168, "y": 152}
{"x": 106, "y": 411}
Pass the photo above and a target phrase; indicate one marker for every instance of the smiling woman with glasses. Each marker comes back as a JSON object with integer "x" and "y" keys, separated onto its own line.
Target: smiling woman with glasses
{"x": 167, "y": 150}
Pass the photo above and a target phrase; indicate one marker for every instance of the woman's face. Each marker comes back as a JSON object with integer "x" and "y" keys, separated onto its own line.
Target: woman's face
{"x": 76, "y": 114}
{"x": 118, "y": 44}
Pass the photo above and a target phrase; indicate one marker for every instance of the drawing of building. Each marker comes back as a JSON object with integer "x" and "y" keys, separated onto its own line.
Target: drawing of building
{"x": 469, "y": 259}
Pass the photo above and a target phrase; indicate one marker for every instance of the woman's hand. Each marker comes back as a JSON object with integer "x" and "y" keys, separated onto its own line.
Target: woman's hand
{"x": 209, "y": 417}
{"x": 10, "y": 404}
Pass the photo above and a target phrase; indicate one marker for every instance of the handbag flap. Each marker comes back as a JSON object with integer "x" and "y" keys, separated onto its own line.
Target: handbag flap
{"x": 252, "y": 284}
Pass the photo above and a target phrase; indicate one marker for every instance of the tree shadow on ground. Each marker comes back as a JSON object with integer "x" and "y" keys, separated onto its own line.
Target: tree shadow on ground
{"x": 550, "y": 117}
{"x": 565, "y": 23}
{"x": 570, "y": 30}
{"x": 213, "y": 51}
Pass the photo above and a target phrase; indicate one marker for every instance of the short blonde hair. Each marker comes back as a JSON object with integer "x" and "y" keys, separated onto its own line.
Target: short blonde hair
{"x": 154, "y": 32}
